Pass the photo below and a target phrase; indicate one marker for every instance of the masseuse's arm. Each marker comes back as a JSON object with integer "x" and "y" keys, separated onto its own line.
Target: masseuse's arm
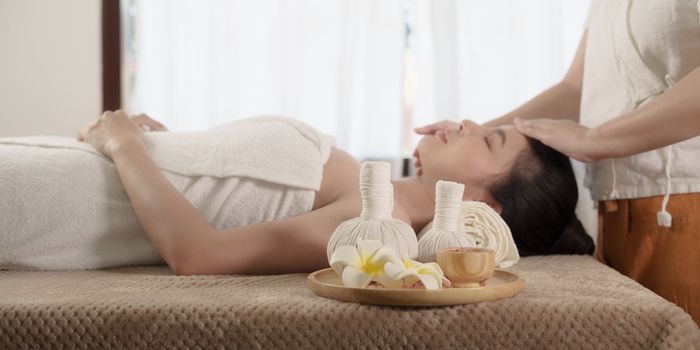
{"x": 672, "y": 117}
{"x": 185, "y": 240}
{"x": 561, "y": 101}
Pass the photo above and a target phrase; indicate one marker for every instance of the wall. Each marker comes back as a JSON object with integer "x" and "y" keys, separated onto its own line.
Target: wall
{"x": 50, "y": 66}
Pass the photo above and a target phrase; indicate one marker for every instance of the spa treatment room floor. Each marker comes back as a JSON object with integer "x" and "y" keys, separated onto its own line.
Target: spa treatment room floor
{"x": 569, "y": 302}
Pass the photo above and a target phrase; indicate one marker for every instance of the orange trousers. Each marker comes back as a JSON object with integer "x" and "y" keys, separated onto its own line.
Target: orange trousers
{"x": 665, "y": 260}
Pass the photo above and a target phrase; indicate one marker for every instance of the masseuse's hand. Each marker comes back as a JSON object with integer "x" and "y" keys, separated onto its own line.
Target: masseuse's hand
{"x": 440, "y": 126}
{"x": 110, "y": 131}
{"x": 566, "y": 136}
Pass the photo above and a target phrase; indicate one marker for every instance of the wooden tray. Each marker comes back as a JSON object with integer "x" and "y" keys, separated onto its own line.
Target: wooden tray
{"x": 503, "y": 284}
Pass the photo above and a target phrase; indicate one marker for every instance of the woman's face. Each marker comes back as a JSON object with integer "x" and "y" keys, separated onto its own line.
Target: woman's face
{"x": 474, "y": 155}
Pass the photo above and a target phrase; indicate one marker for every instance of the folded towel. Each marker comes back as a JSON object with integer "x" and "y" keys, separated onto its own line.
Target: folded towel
{"x": 276, "y": 149}
{"x": 63, "y": 205}
{"x": 488, "y": 230}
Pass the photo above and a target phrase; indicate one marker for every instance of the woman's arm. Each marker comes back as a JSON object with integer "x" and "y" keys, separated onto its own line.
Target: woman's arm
{"x": 185, "y": 240}
{"x": 672, "y": 117}
{"x": 169, "y": 220}
{"x": 191, "y": 246}
{"x": 561, "y": 101}
{"x": 292, "y": 245}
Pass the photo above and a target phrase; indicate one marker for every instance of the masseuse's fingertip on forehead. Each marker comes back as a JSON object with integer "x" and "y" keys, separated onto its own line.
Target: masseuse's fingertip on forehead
{"x": 512, "y": 128}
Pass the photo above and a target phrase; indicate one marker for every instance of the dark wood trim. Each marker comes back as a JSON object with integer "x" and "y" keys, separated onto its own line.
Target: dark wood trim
{"x": 406, "y": 167}
{"x": 111, "y": 55}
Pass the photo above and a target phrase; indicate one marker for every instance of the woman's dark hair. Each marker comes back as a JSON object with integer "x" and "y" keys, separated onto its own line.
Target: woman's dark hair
{"x": 538, "y": 201}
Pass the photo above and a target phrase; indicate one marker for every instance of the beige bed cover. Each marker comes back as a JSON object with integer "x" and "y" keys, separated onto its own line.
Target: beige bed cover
{"x": 569, "y": 302}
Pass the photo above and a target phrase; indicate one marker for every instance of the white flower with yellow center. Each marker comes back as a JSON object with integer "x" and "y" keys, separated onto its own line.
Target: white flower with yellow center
{"x": 359, "y": 266}
{"x": 408, "y": 272}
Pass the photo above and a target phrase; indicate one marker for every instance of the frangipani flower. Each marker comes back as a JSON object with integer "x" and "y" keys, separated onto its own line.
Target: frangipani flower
{"x": 358, "y": 266}
{"x": 410, "y": 271}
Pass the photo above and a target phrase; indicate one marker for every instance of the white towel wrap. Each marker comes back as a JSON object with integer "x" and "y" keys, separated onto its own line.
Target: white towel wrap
{"x": 63, "y": 205}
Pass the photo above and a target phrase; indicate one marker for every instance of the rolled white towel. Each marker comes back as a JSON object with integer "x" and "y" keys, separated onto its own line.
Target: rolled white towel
{"x": 488, "y": 230}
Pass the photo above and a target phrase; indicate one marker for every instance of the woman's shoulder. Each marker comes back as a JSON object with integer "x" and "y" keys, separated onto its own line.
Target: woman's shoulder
{"x": 340, "y": 180}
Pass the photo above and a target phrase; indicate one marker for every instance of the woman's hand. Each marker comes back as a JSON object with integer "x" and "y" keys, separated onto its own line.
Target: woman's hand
{"x": 147, "y": 123}
{"x": 566, "y": 136}
{"x": 110, "y": 131}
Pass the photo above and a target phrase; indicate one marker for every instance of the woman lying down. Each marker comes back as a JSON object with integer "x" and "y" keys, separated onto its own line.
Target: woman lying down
{"x": 257, "y": 196}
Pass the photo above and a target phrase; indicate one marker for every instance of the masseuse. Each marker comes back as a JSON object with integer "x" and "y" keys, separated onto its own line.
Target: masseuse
{"x": 634, "y": 87}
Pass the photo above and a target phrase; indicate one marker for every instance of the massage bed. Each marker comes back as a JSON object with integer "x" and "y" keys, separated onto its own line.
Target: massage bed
{"x": 569, "y": 302}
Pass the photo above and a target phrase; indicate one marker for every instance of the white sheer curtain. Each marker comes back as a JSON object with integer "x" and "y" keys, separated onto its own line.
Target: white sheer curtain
{"x": 336, "y": 65}
{"x": 479, "y": 59}
{"x": 339, "y": 64}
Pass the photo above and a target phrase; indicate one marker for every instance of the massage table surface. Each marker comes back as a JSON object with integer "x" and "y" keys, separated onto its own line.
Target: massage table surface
{"x": 569, "y": 302}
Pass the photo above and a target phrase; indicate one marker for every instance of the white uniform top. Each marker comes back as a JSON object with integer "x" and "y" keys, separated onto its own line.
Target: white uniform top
{"x": 635, "y": 51}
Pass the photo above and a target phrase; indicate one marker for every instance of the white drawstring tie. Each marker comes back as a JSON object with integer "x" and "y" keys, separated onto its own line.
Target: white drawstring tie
{"x": 613, "y": 192}
{"x": 663, "y": 217}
